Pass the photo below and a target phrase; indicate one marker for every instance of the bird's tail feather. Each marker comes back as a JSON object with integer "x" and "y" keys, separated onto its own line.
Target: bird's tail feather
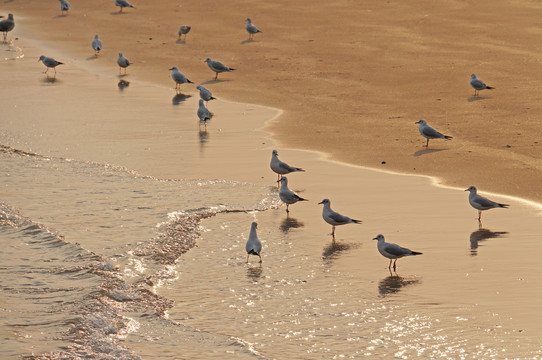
{"x": 503, "y": 205}
{"x": 416, "y": 253}
{"x": 357, "y": 221}
{"x": 490, "y": 87}
{"x": 448, "y": 137}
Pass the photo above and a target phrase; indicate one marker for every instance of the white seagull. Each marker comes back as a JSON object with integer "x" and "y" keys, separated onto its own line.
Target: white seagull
{"x": 123, "y": 63}
{"x": 203, "y": 113}
{"x": 7, "y": 25}
{"x": 251, "y": 29}
{"x": 253, "y": 246}
{"x": 429, "y": 133}
{"x": 183, "y": 30}
{"x": 217, "y": 66}
{"x": 287, "y": 195}
{"x": 392, "y": 251}
{"x": 49, "y": 63}
{"x": 204, "y": 93}
{"x": 122, "y": 4}
{"x": 179, "y": 78}
{"x": 64, "y": 6}
{"x": 481, "y": 203}
{"x": 478, "y": 85}
{"x": 281, "y": 168}
{"x": 334, "y": 218}
{"x": 96, "y": 45}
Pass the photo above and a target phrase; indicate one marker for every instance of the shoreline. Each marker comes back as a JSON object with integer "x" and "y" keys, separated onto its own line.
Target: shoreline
{"x": 161, "y": 142}
{"x": 314, "y": 97}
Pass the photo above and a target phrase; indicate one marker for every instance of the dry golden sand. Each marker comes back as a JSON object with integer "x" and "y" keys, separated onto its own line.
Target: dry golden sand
{"x": 352, "y": 76}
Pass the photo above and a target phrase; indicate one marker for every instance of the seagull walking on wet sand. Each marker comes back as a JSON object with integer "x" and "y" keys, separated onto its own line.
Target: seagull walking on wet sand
{"x": 334, "y": 218}
{"x": 481, "y": 203}
{"x": 203, "y": 113}
{"x": 217, "y": 67}
{"x": 251, "y": 29}
{"x": 287, "y": 195}
{"x": 179, "y": 78}
{"x": 429, "y": 133}
{"x": 478, "y": 85}
{"x": 393, "y": 251}
{"x": 183, "y": 30}
{"x": 49, "y": 63}
{"x": 7, "y": 25}
{"x": 123, "y": 63}
{"x": 64, "y": 6}
{"x": 281, "y": 168}
{"x": 253, "y": 246}
{"x": 122, "y": 4}
{"x": 96, "y": 45}
{"x": 204, "y": 93}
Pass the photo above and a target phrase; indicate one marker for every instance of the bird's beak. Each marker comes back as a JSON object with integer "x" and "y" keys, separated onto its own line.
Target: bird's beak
{"x": 278, "y": 180}
{"x": 466, "y": 189}
{"x": 320, "y": 203}
{"x": 170, "y": 69}
{"x": 375, "y": 239}
{"x": 417, "y": 122}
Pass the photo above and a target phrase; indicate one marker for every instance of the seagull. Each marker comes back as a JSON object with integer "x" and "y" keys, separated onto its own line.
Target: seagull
{"x": 183, "y": 30}
{"x": 287, "y": 195}
{"x": 7, "y": 25}
{"x": 217, "y": 66}
{"x": 122, "y": 4}
{"x": 392, "y": 251}
{"x": 178, "y": 77}
{"x": 96, "y": 45}
{"x": 478, "y": 84}
{"x": 49, "y": 63}
{"x": 429, "y": 133}
{"x": 481, "y": 203}
{"x": 204, "y": 93}
{"x": 333, "y": 218}
{"x": 281, "y": 168}
{"x": 251, "y": 29}
{"x": 64, "y": 6}
{"x": 254, "y": 246}
{"x": 123, "y": 63}
{"x": 203, "y": 113}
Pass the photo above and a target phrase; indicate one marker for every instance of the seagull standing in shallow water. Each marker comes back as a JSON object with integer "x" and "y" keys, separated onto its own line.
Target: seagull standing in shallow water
{"x": 287, "y": 195}
{"x": 429, "y": 133}
{"x": 204, "y": 93}
{"x": 478, "y": 85}
{"x": 179, "y": 78}
{"x": 481, "y": 203}
{"x": 251, "y": 29}
{"x": 334, "y": 218}
{"x": 392, "y": 251}
{"x": 123, "y": 63}
{"x": 203, "y": 113}
{"x": 281, "y": 168}
{"x": 217, "y": 66}
{"x": 49, "y": 63}
{"x": 253, "y": 246}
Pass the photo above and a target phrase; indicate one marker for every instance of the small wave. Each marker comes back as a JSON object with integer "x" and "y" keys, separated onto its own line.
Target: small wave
{"x": 10, "y": 51}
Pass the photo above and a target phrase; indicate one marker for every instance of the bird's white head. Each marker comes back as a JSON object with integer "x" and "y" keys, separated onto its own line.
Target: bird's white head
{"x": 379, "y": 237}
{"x": 207, "y": 60}
{"x": 254, "y": 225}
{"x": 325, "y": 201}
{"x": 471, "y": 189}
{"x": 284, "y": 181}
{"x": 199, "y": 87}
{"x": 421, "y": 122}
{"x": 275, "y": 153}
{"x": 473, "y": 76}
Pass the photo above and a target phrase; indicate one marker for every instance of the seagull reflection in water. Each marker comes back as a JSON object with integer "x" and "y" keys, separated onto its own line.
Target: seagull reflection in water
{"x": 332, "y": 251}
{"x": 179, "y": 98}
{"x": 254, "y": 273}
{"x": 203, "y": 137}
{"x": 393, "y": 284}
{"x": 290, "y": 223}
{"x": 482, "y": 235}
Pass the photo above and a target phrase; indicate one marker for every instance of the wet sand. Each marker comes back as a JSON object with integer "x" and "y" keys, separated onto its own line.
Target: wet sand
{"x": 145, "y": 127}
{"x": 352, "y": 77}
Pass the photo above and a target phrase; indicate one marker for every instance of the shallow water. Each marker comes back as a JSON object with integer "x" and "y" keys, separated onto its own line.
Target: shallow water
{"x": 106, "y": 259}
